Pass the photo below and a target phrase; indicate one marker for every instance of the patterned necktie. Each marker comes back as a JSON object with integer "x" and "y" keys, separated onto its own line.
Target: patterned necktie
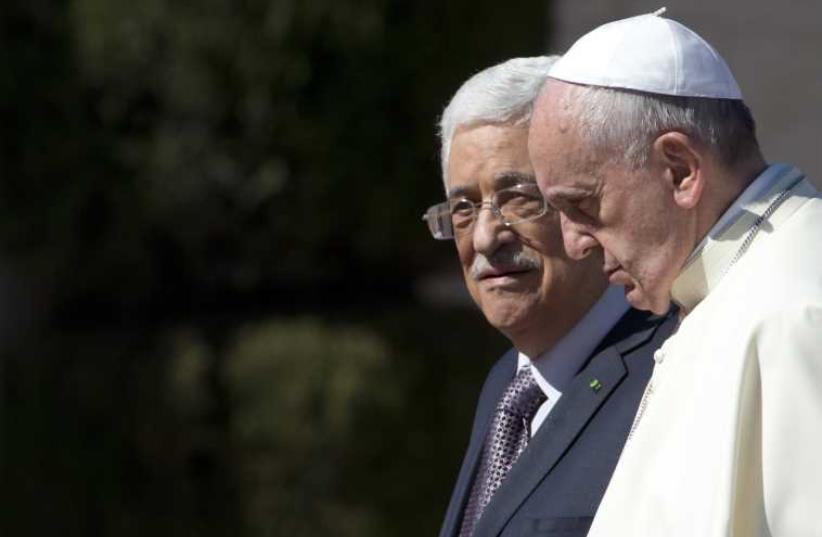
{"x": 507, "y": 437}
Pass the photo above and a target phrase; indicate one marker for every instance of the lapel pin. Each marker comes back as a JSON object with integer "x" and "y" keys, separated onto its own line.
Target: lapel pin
{"x": 595, "y": 385}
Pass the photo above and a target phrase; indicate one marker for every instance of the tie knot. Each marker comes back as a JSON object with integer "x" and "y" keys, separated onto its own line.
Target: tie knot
{"x": 523, "y": 396}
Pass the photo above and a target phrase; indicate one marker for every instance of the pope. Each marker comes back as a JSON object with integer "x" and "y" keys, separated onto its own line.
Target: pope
{"x": 642, "y": 140}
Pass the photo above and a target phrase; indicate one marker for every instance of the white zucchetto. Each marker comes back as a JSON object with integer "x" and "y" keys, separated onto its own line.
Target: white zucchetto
{"x": 648, "y": 53}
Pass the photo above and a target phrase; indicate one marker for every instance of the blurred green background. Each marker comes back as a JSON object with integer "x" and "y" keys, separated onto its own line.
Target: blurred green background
{"x": 220, "y": 313}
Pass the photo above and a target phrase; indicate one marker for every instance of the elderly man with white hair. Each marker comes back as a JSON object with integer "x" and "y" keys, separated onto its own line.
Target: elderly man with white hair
{"x": 641, "y": 139}
{"x": 555, "y": 410}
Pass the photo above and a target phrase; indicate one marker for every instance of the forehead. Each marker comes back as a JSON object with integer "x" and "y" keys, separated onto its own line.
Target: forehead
{"x": 554, "y": 105}
{"x": 561, "y": 156}
{"x": 480, "y": 154}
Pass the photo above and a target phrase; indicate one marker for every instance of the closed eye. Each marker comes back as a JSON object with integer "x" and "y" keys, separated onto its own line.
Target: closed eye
{"x": 582, "y": 209}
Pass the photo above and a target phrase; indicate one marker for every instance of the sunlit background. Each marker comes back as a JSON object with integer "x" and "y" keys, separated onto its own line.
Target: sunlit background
{"x": 220, "y": 312}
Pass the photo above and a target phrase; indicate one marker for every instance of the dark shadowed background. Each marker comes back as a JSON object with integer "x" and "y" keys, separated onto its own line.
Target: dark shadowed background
{"x": 220, "y": 312}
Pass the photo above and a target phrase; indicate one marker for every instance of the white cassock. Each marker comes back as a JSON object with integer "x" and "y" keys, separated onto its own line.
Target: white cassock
{"x": 728, "y": 438}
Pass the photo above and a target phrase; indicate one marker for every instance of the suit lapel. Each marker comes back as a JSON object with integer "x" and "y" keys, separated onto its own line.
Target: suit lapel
{"x": 646, "y": 326}
{"x": 573, "y": 411}
{"x": 491, "y": 393}
{"x": 556, "y": 434}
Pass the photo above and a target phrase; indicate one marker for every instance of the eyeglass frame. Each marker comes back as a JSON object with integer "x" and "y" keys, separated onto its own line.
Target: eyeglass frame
{"x": 444, "y": 208}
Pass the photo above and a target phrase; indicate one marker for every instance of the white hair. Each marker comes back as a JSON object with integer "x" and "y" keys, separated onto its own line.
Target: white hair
{"x": 502, "y": 94}
{"x": 625, "y": 123}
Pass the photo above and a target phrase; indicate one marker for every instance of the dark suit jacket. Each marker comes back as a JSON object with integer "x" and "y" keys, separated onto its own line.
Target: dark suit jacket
{"x": 555, "y": 487}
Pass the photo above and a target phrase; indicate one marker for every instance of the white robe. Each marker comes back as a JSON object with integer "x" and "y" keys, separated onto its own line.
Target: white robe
{"x": 728, "y": 438}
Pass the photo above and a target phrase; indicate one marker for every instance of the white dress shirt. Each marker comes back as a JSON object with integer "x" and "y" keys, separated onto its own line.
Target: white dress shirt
{"x": 556, "y": 367}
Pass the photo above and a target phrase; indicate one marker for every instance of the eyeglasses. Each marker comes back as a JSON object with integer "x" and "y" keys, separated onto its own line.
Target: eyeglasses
{"x": 512, "y": 205}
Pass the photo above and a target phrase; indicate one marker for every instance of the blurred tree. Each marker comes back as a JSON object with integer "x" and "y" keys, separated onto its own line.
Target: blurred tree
{"x": 173, "y": 150}
{"x": 296, "y": 388}
{"x": 218, "y": 204}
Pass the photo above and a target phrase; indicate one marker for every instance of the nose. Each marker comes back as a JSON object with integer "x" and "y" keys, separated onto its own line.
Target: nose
{"x": 578, "y": 242}
{"x": 489, "y": 232}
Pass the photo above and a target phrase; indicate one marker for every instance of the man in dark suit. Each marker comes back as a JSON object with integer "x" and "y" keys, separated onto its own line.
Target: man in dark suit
{"x": 556, "y": 409}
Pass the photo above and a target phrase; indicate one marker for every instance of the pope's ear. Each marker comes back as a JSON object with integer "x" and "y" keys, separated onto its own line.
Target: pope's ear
{"x": 682, "y": 163}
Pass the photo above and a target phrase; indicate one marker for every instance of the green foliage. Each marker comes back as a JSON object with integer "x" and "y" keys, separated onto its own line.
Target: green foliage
{"x": 296, "y": 389}
{"x": 217, "y": 207}
{"x": 278, "y": 426}
{"x": 232, "y": 145}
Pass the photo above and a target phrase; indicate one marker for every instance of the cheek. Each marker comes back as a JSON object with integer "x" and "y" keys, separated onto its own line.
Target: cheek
{"x": 465, "y": 253}
{"x": 554, "y": 261}
{"x": 544, "y": 237}
{"x": 466, "y": 256}
{"x": 554, "y": 245}
{"x": 633, "y": 240}
{"x": 648, "y": 262}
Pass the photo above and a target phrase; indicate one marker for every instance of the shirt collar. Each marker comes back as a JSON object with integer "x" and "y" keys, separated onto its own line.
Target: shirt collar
{"x": 714, "y": 255}
{"x": 554, "y": 368}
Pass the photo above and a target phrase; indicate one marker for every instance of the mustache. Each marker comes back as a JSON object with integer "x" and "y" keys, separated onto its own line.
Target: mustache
{"x": 505, "y": 260}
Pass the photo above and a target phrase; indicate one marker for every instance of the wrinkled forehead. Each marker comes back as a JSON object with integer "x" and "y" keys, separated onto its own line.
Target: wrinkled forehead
{"x": 555, "y": 104}
{"x": 488, "y": 154}
{"x": 555, "y": 144}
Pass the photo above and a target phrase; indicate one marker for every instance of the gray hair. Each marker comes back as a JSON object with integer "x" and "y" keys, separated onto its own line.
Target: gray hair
{"x": 626, "y": 123}
{"x": 502, "y": 94}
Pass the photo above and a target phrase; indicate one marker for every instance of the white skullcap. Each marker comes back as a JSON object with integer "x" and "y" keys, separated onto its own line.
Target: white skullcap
{"x": 648, "y": 53}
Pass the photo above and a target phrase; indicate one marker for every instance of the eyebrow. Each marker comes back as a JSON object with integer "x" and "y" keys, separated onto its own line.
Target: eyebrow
{"x": 460, "y": 191}
{"x": 500, "y": 180}
{"x": 569, "y": 192}
{"x": 511, "y": 178}
{"x": 561, "y": 197}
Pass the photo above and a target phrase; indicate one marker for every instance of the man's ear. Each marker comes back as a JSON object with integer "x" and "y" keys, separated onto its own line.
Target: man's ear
{"x": 682, "y": 164}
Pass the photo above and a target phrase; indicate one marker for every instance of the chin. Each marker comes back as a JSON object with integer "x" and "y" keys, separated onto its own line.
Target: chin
{"x": 507, "y": 315}
{"x": 642, "y": 300}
